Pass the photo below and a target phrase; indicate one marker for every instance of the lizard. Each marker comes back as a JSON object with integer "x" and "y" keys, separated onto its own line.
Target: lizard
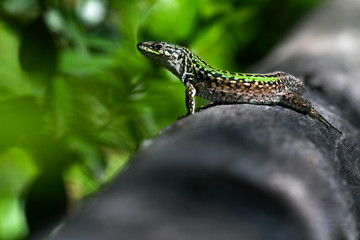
{"x": 219, "y": 86}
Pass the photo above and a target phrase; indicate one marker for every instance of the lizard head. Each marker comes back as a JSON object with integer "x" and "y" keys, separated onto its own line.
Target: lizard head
{"x": 167, "y": 55}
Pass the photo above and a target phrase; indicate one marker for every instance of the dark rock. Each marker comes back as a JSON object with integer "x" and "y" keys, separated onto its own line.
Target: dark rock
{"x": 254, "y": 172}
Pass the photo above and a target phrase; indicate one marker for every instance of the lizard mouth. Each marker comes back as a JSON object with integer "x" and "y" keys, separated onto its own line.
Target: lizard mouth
{"x": 149, "y": 48}
{"x": 141, "y": 47}
{"x": 145, "y": 49}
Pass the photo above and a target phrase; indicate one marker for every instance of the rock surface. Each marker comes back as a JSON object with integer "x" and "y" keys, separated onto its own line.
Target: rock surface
{"x": 252, "y": 172}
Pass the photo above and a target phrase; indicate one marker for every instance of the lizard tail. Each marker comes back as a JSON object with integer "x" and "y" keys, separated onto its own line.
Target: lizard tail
{"x": 315, "y": 114}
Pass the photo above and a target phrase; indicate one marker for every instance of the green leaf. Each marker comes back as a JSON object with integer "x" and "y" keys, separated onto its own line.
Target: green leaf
{"x": 12, "y": 219}
{"x": 171, "y": 20}
{"x": 62, "y": 104}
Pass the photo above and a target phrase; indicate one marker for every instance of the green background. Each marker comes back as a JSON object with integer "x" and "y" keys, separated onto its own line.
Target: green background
{"x": 77, "y": 99}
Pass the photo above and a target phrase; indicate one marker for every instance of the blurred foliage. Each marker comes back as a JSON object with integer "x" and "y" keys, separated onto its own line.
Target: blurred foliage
{"x": 77, "y": 99}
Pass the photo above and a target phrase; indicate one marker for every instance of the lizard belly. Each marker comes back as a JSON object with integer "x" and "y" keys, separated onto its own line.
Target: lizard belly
{"x": 252, "y": 98}
{"x": 237, "y": 95}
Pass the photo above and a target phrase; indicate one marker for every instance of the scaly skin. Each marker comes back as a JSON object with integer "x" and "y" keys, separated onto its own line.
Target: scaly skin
{"x": 219, "y": 86}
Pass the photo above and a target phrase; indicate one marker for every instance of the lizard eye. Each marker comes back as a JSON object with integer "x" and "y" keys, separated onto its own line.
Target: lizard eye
{"x": 158, "y": 46}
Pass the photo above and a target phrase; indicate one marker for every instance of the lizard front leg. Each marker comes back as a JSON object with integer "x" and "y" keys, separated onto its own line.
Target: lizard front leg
{"x": 189, "y": 99}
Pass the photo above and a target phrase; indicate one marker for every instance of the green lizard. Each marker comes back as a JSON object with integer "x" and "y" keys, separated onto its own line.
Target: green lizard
{"x": 219, "y": 86}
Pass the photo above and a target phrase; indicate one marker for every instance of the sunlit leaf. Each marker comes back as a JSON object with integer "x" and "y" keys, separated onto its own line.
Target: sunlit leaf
{"x": 12, "y": 220}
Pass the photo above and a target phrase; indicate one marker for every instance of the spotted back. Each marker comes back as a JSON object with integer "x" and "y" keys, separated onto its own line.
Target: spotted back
{"x": 189, "y": 67}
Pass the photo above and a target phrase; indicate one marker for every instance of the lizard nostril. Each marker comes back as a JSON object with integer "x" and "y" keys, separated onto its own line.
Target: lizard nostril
{"x": 139, "y": 45}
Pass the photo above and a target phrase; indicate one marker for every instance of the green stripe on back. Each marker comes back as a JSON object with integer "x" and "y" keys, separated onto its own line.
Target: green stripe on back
{"x": 247, "y": 77}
